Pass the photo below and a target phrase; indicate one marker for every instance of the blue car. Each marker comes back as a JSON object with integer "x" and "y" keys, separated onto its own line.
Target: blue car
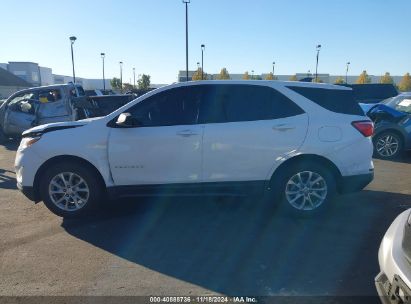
{"x": 392, "y": 120}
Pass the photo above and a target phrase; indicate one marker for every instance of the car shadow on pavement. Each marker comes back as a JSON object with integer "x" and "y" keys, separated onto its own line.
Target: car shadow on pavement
{"x": 7, "y": 181}
{"x": 12, "y": 145}
{"x": 238, "y": 247}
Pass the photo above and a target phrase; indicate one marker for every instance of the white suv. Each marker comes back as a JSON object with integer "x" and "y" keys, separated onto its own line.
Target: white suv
{"x": 299, "y": 142}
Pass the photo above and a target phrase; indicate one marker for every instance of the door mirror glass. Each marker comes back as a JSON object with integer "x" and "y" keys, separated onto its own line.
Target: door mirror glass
{"x": 126, "y": 120}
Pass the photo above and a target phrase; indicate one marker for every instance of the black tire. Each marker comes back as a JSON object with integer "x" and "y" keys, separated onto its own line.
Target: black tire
{"x": 308, "y": 202}
{"x": 383, "y": 137}
{"x": 92, "y": 182}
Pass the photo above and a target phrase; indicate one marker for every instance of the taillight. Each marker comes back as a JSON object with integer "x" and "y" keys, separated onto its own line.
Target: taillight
{"x": 365, "y": 127}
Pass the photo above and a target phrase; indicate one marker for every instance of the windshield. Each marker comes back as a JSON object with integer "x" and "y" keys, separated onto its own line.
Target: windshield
{"x": 400, "y": 103}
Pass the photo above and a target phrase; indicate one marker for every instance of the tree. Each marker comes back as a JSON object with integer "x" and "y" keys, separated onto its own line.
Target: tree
{"x": 386, "y": 78}
{"x": 293, "y": 78}
{"x": 405, "y": 83}
{"x": 317, "y": 80}
{"x": 115, "y": 83}
{"x": 127, "y": 87}
{"x": 198, "y": 75}
{"x": 223, "y": 74}
{"x": 246, "y": 76}
{"x": 363, "y": 78}
{"x": 270, "y": 76}
{"x": 339, "y": 80}
{"x": 144, "y": 82}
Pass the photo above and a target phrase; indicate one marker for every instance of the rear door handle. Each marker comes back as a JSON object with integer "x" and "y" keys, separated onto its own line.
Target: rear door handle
{"x": 186, "y": 133}
{"x": 283, "y": 127}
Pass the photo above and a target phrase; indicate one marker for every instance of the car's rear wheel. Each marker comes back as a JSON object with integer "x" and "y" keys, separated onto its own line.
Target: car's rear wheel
{"x": 305, "y": 189}
{"x": 70, "y": 189}
{"x": 388, "y": 145}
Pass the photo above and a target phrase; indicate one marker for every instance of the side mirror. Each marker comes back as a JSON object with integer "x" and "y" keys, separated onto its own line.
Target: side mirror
{"x": 125, "y": 120}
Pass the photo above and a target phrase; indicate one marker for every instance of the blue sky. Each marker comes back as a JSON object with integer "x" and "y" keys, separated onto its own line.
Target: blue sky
{"x": 241, "y": 35}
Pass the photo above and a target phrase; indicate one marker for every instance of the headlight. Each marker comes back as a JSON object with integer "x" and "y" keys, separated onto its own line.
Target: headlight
{"x": 28, "y": 141}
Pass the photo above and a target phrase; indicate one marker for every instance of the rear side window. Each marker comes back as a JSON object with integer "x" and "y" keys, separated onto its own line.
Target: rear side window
{"x": 232, "y": 103}
{"x": 338, "y": 101}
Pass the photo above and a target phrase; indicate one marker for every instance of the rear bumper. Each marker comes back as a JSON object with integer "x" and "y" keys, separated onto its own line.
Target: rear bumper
{"x": 29, "y": 192}
{"x": 355, "y": 182}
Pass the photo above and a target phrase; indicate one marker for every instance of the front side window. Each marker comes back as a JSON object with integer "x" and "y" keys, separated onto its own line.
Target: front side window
{"x": 177, "y": 106}
{"x": 24, "y": 102}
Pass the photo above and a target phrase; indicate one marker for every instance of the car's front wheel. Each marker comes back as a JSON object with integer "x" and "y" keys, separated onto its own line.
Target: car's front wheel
{"x": 70, "y": 189}
{"x": 387, "y": 145}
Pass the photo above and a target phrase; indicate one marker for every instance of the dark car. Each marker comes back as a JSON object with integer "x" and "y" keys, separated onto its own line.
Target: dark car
{"x": 392, "y": 119}
{"x": 372, "y": 92}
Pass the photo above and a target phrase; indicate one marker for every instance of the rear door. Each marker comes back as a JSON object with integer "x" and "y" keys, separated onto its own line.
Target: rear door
{"x": 248, "y": 128}
{"x": 53, "y": 106}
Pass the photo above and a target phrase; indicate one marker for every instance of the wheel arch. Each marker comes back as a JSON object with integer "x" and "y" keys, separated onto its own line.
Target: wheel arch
{"x": 304, "y": 159}
{"x": 63, "y": 158}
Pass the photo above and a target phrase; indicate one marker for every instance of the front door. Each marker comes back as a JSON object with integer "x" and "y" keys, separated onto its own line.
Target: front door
{"x": 20, "y": 113}
{"x": 166, "y": 148}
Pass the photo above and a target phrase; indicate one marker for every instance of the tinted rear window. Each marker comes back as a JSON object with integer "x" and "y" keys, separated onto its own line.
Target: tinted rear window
{"x": 338, "y": 101}
{"x": 231, "y": 103}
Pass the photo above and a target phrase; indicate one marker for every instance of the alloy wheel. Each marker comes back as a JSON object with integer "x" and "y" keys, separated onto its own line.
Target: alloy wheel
{"x": 69, "y": 191}
{"x": 306, "y": 190}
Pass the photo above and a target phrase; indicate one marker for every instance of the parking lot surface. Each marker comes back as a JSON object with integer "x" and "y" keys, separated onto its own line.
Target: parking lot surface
{"x": 195, "y": 246}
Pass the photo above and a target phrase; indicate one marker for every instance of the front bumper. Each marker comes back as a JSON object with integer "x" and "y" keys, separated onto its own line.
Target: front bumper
{"x": 395, "y": 292}
{"x": 394, "y": 281}
{"x": 355, "y": 182}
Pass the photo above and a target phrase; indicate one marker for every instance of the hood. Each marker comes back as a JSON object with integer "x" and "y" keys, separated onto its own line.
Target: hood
{"x": 39, "y": 130}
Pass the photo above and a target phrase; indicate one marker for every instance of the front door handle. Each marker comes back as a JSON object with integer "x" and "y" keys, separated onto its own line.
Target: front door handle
{"x": 186, "y": 133}
{"x": 283, "y": 127}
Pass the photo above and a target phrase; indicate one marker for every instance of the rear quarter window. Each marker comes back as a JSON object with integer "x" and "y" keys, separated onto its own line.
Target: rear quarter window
{"x": 338, "y": 101}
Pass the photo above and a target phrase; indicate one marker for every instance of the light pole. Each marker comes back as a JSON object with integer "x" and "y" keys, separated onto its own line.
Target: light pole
{"x": 252, "y": 74}
{"x": 104, "y": 80}
{"x": 72, "y": 40}
{"x": 202, "y": 61}
{"x": 186, "y": 2}
{"x": 134, "y": 75}
{"x": 273, "y": 68}
{"x": 346, "y": 72}
{"x": 318, "y": 47}
{"x": 121, "y": 76}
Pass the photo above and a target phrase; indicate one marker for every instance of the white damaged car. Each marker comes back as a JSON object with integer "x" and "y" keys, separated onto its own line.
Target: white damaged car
{"x": 394, "y": 281}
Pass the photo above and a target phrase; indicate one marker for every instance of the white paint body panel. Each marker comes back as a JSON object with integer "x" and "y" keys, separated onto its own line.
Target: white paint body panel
{"x": 155, "y": 155}
{"x": 245, "y": 151}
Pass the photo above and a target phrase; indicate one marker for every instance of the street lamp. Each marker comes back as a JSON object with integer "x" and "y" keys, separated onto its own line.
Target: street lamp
{"x": 202, "y": 61}
{"x": 104, "y": 80}
{"x": 318, "y": 47}
{"x": 346, "y": 72}
{"x": 273, "y": 68}
{"x": 134, "y": 75}
{"x": 252, "y": 74}
{"x": 186, "y": 2}
{"x": 72, "y": 40}
{"x": 198, "y": 65}
{"x": 121, "y": 76}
